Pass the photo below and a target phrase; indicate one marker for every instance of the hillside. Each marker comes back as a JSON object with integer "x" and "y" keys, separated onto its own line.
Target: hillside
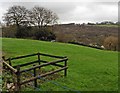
{"x": 89, "y": 69}
{"x": 87, "y": 34}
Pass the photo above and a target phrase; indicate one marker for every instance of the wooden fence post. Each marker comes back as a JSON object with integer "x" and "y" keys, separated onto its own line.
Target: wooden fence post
{"x": 3, "y": 57}
{"x": 18, "y": 86}
{"x": 35, "y": 81}
{"x": 39, "y": 59}
{"x": 10, "y": 62}
{"x": 65, "y": 71}
{"x": 10, "y": 65}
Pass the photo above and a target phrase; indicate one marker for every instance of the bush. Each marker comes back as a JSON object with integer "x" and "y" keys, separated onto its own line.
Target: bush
{"x": 111, "y": 43}
{"x": 23, "y": 32}
{"x": 9, "y": 31}
{"x": 45, "y": 34}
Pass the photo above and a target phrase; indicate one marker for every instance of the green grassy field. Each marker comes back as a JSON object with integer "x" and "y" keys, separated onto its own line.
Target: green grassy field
{"x": 89, "y": 69}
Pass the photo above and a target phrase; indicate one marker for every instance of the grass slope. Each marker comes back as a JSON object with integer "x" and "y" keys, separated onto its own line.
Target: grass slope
{"x": 89, "y": 69}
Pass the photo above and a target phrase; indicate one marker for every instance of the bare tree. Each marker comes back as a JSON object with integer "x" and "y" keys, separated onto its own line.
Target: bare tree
{"x": 50, "y": 17}
{"x": 41, "y": 16}
{"x": 20, "y": 17}
{"x": 15, "y": 15}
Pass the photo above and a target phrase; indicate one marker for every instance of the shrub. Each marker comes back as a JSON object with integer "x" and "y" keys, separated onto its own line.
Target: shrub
{"x": 111, "y": 43}
{"x": 45, "y": 34}
{"x": 23, "y": 32}
{"x": 9, "y": 31}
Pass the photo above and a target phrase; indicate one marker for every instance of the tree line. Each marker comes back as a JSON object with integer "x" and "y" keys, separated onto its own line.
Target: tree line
{"x": 32, "y": 22}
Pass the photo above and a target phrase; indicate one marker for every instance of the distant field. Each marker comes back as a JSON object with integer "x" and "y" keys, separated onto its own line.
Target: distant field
{"x": 89, "y": 69}
{"x": 107, "y": 25}
{"x": 87, "y": 34}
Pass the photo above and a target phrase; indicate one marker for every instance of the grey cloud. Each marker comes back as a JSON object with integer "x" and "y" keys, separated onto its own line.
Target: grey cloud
{"x": 68, "y": 12}
{"x": 59, "y": 7}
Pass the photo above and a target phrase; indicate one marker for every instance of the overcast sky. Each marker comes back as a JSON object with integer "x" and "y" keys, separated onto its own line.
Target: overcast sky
{"x": 74, "y": 11}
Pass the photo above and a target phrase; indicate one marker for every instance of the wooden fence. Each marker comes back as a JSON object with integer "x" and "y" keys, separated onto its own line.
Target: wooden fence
{"x": 16, "y": 70}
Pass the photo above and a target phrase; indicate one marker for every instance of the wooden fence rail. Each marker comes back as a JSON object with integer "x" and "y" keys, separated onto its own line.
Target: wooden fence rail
{"x": 45, "y": 64}
{"x": 43, "y": 75}
{"x": 22, "y": 56}
{"x": 9, "y": 67}
{"x": 42, "y": 54}
{"x": 17, "y": 71}
{"x": 52, "y": 55}
{"x": 54, "y": 64}
{"x": 29, "y": 63}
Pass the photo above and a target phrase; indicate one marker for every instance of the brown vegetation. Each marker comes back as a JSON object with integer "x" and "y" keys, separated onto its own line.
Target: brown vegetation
{"x": 85, "y": 34}
{"x": 111, "y": 43}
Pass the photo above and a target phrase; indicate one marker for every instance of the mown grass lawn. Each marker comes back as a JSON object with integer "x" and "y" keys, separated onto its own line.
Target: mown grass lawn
{"x": 89, "y": 69}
